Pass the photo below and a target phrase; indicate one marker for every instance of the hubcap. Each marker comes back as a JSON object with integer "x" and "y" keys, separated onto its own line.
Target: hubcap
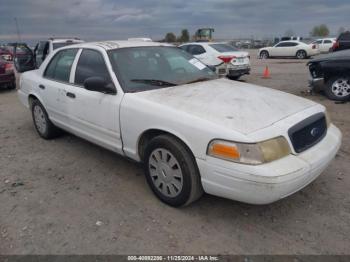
{"x": 264, "y": 55}
{"x": 165, "y": 172}
{"x": 39, "y": 118}
{"x": 341, "y": 87}
{"x": 300, "y": 55}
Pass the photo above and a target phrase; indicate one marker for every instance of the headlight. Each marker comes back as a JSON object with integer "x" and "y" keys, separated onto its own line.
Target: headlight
{"x": 328, "y": 119}
{"x": 252, "y": 154}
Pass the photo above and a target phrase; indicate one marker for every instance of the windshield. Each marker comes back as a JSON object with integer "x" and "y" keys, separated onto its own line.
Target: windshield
{"x": 222, "y": 48}
{"x": 145, "y": 68}
{"x": 58, "y": 45}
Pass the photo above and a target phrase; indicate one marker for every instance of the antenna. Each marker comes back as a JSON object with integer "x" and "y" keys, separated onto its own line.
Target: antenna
{"x": 17, "y": 28}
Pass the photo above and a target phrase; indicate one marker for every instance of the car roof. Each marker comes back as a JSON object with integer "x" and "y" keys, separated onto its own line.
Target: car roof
{"x": 204, "y": 43}
{"x": 115, "y": 44}
{"x": 292, "y": 41}
{"x": 64, "y": 40}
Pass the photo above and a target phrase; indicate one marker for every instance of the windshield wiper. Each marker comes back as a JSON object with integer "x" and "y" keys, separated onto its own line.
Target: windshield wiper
{"x": 154, "y": 82}
{"x": 201, "y": 79}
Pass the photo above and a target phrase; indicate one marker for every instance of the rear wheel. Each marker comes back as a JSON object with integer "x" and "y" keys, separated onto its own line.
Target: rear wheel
{"x": 301, "y": 54}
{"x": 264, "y": 55}
{"x": 45, "y": 128}
{"x": 171, "y": 171}
{"x": 338, "y": 88}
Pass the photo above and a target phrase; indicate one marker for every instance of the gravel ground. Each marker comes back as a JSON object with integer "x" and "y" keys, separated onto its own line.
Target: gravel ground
{"x": 68, "y": 196}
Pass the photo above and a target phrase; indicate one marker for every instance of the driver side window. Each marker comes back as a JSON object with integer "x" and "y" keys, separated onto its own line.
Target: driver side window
{"x": 91, "y": 64}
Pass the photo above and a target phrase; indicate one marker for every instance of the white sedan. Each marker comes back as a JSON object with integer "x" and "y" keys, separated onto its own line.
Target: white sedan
{"x": 296, "y": 49}
{"x": 223, "y": 58}
{"x": 193, "y": 132}
{"x": 325, "y": 45}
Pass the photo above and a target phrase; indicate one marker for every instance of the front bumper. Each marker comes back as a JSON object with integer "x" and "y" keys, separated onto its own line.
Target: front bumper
{"x": 316, "y": 84}
{"x": 267, "y": 183}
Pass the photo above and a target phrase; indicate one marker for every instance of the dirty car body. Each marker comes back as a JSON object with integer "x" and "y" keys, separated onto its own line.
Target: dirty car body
{"x": 331, "y": 73}
{"x": 192, "y": 131}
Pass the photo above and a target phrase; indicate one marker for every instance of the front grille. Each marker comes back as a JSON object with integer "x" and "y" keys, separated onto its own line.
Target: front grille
{"x": 308, "y": 132}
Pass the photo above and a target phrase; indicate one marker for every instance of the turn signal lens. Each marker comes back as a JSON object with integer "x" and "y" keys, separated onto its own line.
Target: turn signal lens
{"x": 250, "y": 153}
{"x": 224, "y": 150}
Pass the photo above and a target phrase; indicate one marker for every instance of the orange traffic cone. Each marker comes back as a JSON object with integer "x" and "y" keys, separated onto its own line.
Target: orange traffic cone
{"x": 266, "y": 73}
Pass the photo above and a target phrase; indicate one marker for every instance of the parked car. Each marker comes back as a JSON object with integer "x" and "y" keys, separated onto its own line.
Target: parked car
{"x": 193, "y": 131}
{"x": 324, "y": 45}
{"x": 223, "y": 58}
{"x": 45, "y": 47}
{"x": 331, "y": 74}
{"x": 5, "y": 53}
{"x": 343, "y": 42}
{"x": 7, "y": 77}
{"x": 296, "y": 49}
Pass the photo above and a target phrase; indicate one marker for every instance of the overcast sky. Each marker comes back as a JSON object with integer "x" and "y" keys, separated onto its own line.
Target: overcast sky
{"x": 120, "y": 19}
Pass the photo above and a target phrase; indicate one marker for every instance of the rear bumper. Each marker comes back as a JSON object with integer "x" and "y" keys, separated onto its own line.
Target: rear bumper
{"x": 224, "y": 70}
{"x": 267, "y": 183}
{"x": 316, "y": 84}
{"x": 239, "y": 72}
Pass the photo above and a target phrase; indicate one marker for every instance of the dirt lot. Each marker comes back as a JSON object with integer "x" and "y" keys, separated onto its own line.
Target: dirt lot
{"x": 68, "y": 196}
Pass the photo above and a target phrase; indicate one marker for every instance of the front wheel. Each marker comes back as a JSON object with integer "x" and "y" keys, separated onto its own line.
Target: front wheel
{"x": 171, "y": 171}
{"x": 301, "y": 54}
{"x": 338, "y": 88}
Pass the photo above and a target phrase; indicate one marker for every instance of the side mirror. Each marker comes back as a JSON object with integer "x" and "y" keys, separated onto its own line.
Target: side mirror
{"x": 99, "y": 84}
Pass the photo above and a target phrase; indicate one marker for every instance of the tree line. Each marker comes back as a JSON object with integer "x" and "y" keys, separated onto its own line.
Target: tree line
{"x": 317, "y": 31}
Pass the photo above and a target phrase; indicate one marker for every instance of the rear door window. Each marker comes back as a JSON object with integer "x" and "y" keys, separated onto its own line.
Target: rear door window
{"x": 196, "y": 50}
{"x": 60, "y": 65}
{"x": 222, "y": 48}
{"x": 91, "y": 64}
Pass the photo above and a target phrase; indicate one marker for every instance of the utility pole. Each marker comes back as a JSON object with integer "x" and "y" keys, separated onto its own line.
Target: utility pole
{"x": 17, "y": 28}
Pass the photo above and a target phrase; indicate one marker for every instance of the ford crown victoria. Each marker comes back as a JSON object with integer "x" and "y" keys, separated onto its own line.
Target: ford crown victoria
{"x": 193, "y": 132}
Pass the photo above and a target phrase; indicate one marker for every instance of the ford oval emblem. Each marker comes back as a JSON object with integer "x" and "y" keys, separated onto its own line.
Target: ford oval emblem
{"x": 315, "y": 131}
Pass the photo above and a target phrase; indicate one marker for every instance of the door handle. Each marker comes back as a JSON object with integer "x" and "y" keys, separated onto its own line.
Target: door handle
{"x": 71, "y": 95}
{"x": 42, "y": 87}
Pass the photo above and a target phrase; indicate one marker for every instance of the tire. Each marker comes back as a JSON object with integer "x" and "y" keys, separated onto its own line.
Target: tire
{"x": 45, "y": 128}
{"x": 301, "y": 54}
{"x": 264, "y": 55}
{"x": 233, "y": 77}
{"x": 338, "y": 88}
{"x": 171, "y": 171}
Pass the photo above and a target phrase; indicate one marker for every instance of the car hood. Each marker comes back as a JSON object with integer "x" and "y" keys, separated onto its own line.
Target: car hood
{"x": 238, "y": 106}
{"x": 339, "y": 55}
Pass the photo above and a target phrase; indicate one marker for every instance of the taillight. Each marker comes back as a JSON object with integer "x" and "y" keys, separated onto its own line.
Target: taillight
{"x": 313, "y": 46}
{"x": 226, "y": 59}
{"x": 8, "y": 67}
{"x": 336, "y": 45}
